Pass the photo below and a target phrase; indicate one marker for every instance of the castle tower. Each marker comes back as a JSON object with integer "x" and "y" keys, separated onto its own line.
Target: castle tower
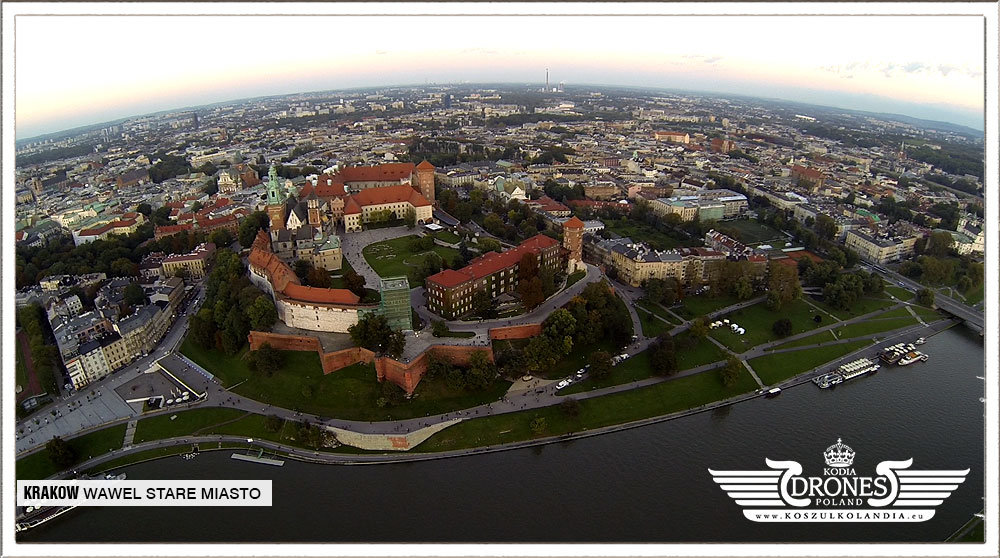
{"x": 425, "y": 180}
{"x": 573, "y": 241}
{"x": 275, "y": 200}
{"x": 312, "y": 202}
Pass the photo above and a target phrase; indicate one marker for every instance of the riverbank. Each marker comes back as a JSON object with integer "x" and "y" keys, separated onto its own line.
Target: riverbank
{"x": 525, "y": 436}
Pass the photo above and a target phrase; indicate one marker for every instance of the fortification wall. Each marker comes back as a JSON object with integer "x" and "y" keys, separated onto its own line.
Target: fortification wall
{"x": 516, "y": 332}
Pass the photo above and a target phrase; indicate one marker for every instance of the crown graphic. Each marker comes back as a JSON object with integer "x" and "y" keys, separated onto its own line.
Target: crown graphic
{"x": 839, "y": 455}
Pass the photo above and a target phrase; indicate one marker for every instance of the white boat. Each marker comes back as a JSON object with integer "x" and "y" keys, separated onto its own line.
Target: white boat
{"x": 911, "y": 357}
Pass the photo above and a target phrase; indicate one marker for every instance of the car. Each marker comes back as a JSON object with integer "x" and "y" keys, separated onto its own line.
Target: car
{"x": 623, "y": 356}
{"x": 562, "y": 384}
{"x": 527, "y": 378}
{"x": 901, "y": 284}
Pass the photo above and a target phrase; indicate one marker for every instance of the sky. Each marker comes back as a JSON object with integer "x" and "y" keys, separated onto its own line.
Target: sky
{"x": 78, "y": 70}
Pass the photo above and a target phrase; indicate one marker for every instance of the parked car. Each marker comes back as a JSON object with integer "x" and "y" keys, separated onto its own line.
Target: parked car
{"x": 562, "y": 384}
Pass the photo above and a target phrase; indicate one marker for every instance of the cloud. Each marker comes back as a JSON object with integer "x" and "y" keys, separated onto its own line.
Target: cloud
{"x": 913, "y": 67}
{"x": 381, "y": 52}
{"x": 712, "y": 60}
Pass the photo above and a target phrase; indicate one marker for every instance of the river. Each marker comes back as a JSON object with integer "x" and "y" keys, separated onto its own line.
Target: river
{"x": 647, "y": 484}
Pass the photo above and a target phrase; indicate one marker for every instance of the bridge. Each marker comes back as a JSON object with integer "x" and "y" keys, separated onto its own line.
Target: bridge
{"x": 972, "y": 317}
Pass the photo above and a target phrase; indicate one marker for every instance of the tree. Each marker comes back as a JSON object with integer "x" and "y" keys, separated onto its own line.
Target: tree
{"x": 410, "y": 218}
{"x": 782, "y": 327}
{"x": 783, "y": 285}
{"x": 488, "y": 245}
{"x": 939, "y": 244}
{"x": 743, "y": 288}
{"x": 266, "y": 360}
{"x": 699, "y": 327}
{"x": 482, "y": 305}
{"x": 273, "y": 423}
{"x": 528, "y": 268}
{"x": 825, "y": 227}
{"x": 60, "y": 453}
{"x": 925, "y": 297}
{"x": 730, "y": 372}
{"x": 302, "y": 268}
{"x": 145, "y": 209}
{"x": 221, "y": 238}
{"x": 248, "y": 228}
{"x": 354, "y": 282}
{"x": 531, "y": 293}
{"x": 373, "y": 333}
{"x": 538, "y": 425}
{"x": 318, "y": 277}
{"x": 600, "y": 364}
{"x": 262, "y": 313}
{"x": 439, "y": 328}
{"x": 134, "y": 295}
{"x": 570, "y": 406}
{"x": 124, "y": 267}
{"x": 663, "y": 356}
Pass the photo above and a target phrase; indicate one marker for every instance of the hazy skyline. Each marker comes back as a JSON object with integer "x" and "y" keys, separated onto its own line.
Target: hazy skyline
{"x": 107, "y": 67}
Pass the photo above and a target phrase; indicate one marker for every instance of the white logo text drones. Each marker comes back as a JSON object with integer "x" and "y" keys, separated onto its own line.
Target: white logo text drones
{"x": 895, "y": 494}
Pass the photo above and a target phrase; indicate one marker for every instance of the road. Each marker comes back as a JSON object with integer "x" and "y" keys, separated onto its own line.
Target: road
{"x": 972, "y": 316}
{"x": 97, "y": 405}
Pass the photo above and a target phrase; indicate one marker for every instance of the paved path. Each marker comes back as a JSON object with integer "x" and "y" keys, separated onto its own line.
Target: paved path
{"x": 753, "y": 373}
{"x": 352, "y": 244}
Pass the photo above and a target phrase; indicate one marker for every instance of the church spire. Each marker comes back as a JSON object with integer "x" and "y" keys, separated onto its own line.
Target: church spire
{"x": 275, "y": 191}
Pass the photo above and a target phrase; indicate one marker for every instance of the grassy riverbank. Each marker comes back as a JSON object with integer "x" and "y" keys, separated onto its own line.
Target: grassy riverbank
{"x": 39, "y": 465}
{"x": 659, "y": 399}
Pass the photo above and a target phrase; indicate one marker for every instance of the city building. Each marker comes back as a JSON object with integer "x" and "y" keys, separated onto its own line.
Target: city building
{"x": 193, "y": 264}
{"x": 449, "y": 293}
{"x": 879, "y": 250}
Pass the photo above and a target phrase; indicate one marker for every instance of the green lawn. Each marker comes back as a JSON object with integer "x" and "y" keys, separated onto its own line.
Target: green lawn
{"x": 448, "y": 236}
{"x": 899, "y": 292}
{"x": 694, "y": 306}
{"x": 38, "y": 465}
{"x": 864, "y": 306}
{"x": 976, "y": 296}
{"x": 821, "y": 337}
{"x": 393, "y": 258}
{"x": 871, "y": 327}
{"x": 659, "y": 311}
{"x": 574, "y": 277}
{"x": 926, "y": 313}
{"x": 577, "y": 359}
{"x": 659, "y": 399}
{"x": 460, "y": 334}
{"x": 641, "y": 232}
{"x": 758, "y": 321}
{"x": 774, "y": 368}
{"x": 651, "y": 325}
{"x": 228, "y": 369}
{"x": 699, "y": 353}
{"x": 749, "y": 231}
{"x": 186, "y": 422}
{"x": 635, "y": 368}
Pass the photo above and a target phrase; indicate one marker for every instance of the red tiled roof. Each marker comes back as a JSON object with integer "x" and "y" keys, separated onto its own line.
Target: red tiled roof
{"x": 327, "y": 186}
{"x": 390, "y": 194}
{"x": 573, "y": 223}
{"x": 351, "y": 207}
{"x": 323, "y": 296}
{"x": 807, "y": 172}
{"x": 386, "y": 172}
{"x": 449, "y": 278}
{"x": 491, "y": 262}
{"x": 97, "y": 231}
{"x": 284, "y": 281}
{"x": 167, "y": 230}
{"x": 425, "y": 165}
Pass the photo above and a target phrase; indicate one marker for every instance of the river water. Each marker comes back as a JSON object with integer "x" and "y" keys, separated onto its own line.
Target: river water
{"x": 647, "y": 484}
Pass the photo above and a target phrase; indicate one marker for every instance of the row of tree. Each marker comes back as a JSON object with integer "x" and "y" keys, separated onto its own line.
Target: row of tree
{"x": 44, "y": 354}
{"x": 479, "y": 375}
{"x": 233, "y": 306}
